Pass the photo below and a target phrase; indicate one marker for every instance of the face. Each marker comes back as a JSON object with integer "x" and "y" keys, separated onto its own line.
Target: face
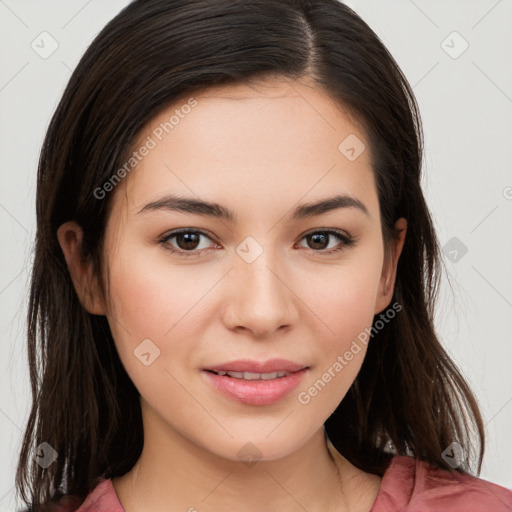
{"x": 190, "y": 290}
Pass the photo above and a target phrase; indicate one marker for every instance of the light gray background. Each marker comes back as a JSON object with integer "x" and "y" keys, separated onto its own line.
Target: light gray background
{"x": 466, "y": 105}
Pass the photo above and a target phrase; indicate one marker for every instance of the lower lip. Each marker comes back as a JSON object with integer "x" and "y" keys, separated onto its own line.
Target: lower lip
{"x": 255, "y": 392}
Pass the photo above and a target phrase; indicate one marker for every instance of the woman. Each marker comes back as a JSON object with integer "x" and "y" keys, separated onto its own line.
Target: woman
{"x": 235, "y": 276}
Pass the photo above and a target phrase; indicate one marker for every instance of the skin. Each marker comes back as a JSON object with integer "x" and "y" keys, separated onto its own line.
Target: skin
{"x": 259, "y": 152}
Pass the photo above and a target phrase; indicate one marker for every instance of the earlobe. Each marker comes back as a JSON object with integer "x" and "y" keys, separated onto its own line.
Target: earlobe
{"x": 70, "y": 236}
{"x": 388, "y": 277}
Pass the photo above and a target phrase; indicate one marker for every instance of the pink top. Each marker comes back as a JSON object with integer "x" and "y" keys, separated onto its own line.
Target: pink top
{"x": 408, "y": 485}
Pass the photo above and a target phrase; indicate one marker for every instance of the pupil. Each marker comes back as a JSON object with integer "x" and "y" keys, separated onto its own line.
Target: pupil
{"x": 318, "y": 239}
{"x": 190, "y": 238}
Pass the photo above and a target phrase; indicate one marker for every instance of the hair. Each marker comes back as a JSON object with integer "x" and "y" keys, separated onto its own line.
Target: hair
{"x": 409, "y": 398}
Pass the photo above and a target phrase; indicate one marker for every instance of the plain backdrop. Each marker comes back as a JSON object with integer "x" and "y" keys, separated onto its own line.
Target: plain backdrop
{"x": 455, "y": 53}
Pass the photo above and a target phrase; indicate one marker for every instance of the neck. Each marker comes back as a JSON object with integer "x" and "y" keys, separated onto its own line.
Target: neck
{"x": 173, "y": 473}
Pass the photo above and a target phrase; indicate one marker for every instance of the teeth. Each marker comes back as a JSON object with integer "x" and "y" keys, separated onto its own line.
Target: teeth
{"x": 254, "y": 376}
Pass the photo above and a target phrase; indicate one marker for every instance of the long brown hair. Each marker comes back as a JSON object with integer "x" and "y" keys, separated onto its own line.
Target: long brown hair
{"x": 409, "y": 398}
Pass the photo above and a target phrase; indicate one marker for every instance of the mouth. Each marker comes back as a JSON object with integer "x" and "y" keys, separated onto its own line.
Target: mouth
{"x": 253, "y": 375}
{"x": 254, "y": 383}
{"x": 252, "y": 369}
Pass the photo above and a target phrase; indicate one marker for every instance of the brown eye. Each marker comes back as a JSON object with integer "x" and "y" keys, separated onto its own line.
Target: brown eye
{"x": 318, "y": 241}
{"x": 186, "y": 242}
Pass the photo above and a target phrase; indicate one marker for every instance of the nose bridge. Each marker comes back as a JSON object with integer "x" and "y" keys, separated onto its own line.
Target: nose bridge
{"x": 262, "y": 301}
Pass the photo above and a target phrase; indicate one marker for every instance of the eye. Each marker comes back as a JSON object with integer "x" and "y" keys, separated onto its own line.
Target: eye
{"x": 187, "y": 240}
{"x": 319, "y": 240}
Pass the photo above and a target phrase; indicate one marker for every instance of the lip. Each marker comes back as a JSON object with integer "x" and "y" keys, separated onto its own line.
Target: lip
{"x": 248, "y": 365}
{"x": 255, "y": 392}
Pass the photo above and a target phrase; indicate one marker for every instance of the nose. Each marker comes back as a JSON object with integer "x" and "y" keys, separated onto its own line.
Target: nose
{"x": 263, "y": 301}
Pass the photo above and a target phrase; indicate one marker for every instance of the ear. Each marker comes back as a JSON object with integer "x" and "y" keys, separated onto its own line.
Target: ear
{"x": 70, "y": 236}
{"x": 387, "y": 281}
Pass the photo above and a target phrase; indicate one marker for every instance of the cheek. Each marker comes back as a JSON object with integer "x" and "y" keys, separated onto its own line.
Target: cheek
{"x": 343, "y": 303}
{"x": 155, "y": 309}
{"x": 149, "y": 296}
{"x": 343, "y": 300}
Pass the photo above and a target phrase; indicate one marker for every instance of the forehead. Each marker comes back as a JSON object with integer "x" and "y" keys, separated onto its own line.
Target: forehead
{"x": 277, "y": 140}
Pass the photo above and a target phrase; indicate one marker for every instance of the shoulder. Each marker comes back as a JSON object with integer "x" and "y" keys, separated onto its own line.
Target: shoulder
{"x": 413, "y": 485}
{"x": 102, "y": 498}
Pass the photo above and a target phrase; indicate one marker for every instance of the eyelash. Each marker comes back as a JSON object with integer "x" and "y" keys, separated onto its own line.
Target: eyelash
{"x": 346, "y": 241}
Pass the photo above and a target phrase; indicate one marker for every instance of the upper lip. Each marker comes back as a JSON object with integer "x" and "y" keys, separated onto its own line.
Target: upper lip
{"x": 247, "y": 365}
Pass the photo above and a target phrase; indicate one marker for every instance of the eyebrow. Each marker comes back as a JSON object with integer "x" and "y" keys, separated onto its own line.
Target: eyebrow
{"x": 195, "y": 206}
